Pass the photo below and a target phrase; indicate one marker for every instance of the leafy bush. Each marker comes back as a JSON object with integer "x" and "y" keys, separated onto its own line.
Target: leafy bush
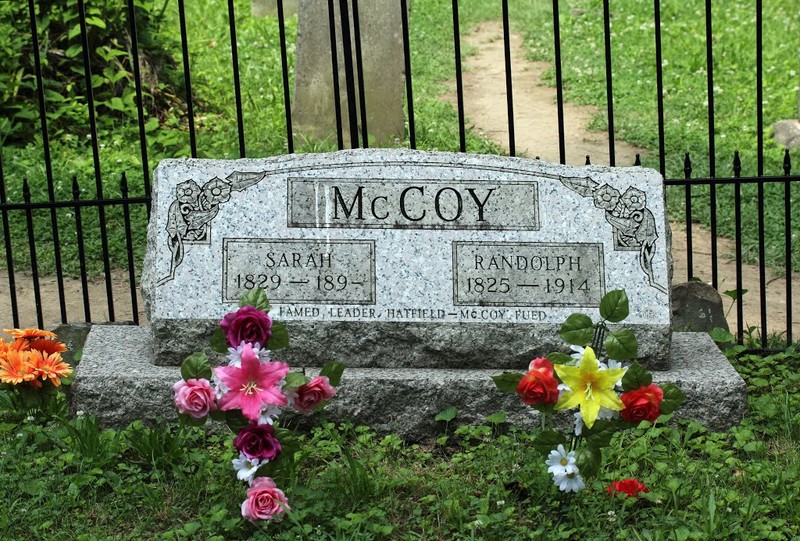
{"x": 61, "y": 56}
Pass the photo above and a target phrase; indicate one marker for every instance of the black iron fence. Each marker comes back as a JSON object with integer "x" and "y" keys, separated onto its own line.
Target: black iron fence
{"x": 65, "y": 217}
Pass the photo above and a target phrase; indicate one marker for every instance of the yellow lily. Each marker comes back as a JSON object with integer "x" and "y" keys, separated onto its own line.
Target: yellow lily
{"x": 590, "y": 387}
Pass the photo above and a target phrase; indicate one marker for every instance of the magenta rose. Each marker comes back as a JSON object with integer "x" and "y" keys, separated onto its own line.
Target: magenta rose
{"x": 194, "y": 397}
{"x": 258, "y": 441}
{"x": 312, "y": 394}
{"x": 247, "y": 324}
{"x": 265, "y": 500}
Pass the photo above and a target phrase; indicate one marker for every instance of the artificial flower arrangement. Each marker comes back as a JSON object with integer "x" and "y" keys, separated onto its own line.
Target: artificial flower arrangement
{"x": 589, "y": 379}
{"x": 248, "y": 394}
{"x": 31, "y": 369}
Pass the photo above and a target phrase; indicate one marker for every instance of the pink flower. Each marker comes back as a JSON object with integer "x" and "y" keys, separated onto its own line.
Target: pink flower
{"x": 252, "y": 385}
{"x": 312, "y": 394}
{"x": 194, "y": 397}
{"x": 257, "y": 441}
{"x": 631, "y": 487}
{"x": 247, "y": 324}
{"x": 265, "y": 500}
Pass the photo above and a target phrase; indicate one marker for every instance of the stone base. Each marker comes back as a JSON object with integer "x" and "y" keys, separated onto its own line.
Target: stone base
{"x": 117, "y": 382}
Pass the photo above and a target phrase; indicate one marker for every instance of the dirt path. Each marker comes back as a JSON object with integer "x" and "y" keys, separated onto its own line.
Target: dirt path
{"x": 536, "y": 134}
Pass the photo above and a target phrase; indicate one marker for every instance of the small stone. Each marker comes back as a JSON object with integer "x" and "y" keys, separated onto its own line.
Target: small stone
{"x": 697, "y": 307}
{"x": 787, "y": 133}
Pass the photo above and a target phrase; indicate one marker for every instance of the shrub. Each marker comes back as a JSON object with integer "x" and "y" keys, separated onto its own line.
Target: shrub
{"x": 61, "y": 57}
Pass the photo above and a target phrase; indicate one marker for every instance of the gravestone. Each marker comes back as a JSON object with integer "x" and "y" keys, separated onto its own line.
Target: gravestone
{"x": 401, "y": 259}
{"x": 381, "y": 39}
{"x": 263, "y": 8}
{"x": 424, "y": 273}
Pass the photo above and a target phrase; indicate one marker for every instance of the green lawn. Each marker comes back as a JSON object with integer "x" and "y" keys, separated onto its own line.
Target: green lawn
{"x": 484, "y": 482}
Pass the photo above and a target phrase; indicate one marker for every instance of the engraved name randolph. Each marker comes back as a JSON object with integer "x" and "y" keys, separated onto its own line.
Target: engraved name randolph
{"x": 417, "y": 204}
{"x": 527, "y": 274}
{"x": 300, "y": 271}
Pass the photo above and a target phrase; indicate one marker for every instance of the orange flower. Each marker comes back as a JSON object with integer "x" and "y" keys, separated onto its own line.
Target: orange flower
{"x": 16, "y": 345}
{"x": 48, "y": 346}
{"x": 49, "y": 366}
{"x": 30, "y": 334}
{"x": 15, "y": 367}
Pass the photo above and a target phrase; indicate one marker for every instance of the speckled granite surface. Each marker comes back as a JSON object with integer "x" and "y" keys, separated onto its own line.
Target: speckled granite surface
{"x": 400, "y": 400}
{"x": 395, "y": 258}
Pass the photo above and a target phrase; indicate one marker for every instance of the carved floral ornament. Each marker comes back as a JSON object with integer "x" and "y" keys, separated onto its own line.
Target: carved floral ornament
{"x": 634, "y": 226}
{"x": 194, "y": 207}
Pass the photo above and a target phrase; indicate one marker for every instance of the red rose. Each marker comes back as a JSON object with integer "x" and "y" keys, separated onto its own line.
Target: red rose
{"x": 247, "y": 324}
{"x": 538, "y": 386}
{"x": 631, "y": 487}
{"x": 258, "y": 441}
{"x": 642, "y": 404}
{"x": 312, "y": 394}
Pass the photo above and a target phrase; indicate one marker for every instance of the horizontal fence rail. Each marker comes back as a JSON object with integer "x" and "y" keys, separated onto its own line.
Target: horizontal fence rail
{"x": 92, "y": 225}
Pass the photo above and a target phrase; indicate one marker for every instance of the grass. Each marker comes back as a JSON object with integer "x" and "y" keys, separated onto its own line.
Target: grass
{"x": 436, "y": 121}
{"x": 485, "y": 482}
{"x": 686, "y": 101}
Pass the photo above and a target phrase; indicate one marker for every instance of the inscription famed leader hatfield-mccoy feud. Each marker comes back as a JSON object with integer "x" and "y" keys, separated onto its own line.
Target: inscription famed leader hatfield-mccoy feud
{"x": 401, "y": 259}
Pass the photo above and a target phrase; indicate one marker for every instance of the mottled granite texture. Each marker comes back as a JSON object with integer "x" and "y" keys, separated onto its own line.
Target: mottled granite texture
{"x": 400, "y": 400}
{"x": 396, "y": 258}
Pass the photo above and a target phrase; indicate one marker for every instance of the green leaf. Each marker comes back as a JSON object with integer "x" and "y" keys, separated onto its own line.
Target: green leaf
{"x": 720, "y": 335}
{"x": 588, "y": 460}
{"x": 559, "y": 358}
{"x": 235, "y": 420}
{"x": 636, "y": 376}
{"x": 578, "y": 330}
{"x": 548, "y": 440}
{"x": 447, "y": 414}
{"x": 279, "y": 338}
{"x": 507, "y": 381}
{"x": 188, "y": 420}
{"x": 333, "y": 371}
{"x": 497, "y": 418}
{"x": 196, "y": 366}
{"x": 219, "y": 342}
{"x": 257, "y": 298}
{"x": 600, "y": 434}
{"x": 621, "y": 345}
{"x": 614, "y": 306}
{"x": 96, "y": 21}
{"x": 73, "y": 51}
{"x": 295, "y": 380}
{"x": 673, "y": 398}
{"x": 734, "y": 293}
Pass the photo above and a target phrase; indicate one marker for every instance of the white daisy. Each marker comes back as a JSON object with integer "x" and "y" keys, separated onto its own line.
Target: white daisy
{"x": 570, "y": 480}
{"x": 246, "y": 468}
{"x": 558, "y": 460}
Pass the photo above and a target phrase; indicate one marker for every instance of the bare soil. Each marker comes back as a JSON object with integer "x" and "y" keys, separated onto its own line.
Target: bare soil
{"x": 536, "y": 126}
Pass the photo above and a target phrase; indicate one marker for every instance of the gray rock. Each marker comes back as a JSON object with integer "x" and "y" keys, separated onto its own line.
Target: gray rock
{"x": 787, "y": 133}
{"x": 697, "y": 307}
{"x": 117, "y": 382}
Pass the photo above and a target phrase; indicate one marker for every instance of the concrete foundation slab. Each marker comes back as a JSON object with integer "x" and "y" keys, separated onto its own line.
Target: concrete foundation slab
{"x": 117, "y": 381}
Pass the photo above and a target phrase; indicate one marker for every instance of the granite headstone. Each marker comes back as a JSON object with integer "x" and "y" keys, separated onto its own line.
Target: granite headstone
{"x": 394, "y": 258}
